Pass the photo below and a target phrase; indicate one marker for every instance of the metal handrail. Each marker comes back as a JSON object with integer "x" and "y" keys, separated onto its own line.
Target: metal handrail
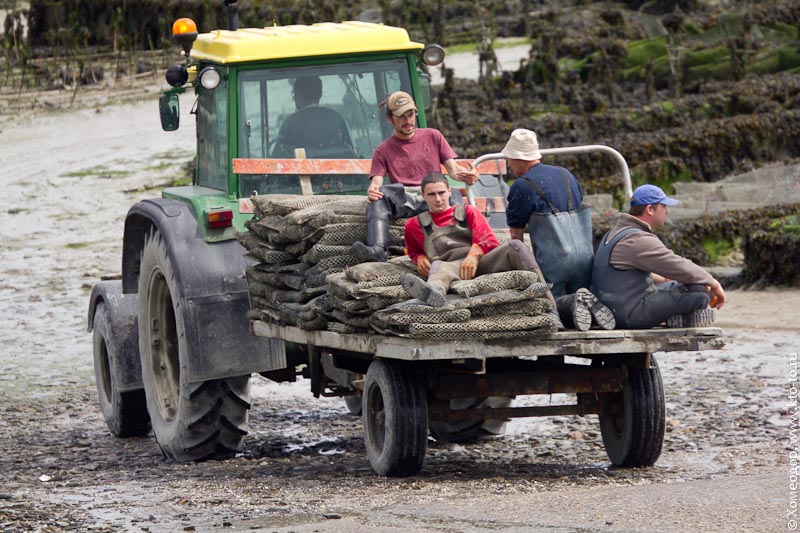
{"x": 623, "y": 165}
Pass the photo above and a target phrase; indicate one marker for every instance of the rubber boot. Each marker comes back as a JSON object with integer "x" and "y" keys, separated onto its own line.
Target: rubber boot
{"x": 418, "y": 288}
{"x": 696, "y": 319}
{"x": 376, "y": 247}
{"x": 573, "y": 313}
{"x": 602, "y": 316}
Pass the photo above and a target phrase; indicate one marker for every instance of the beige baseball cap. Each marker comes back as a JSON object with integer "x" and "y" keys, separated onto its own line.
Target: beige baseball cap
{"x": 399, "y": 102}
{"x": 522, "y": 145}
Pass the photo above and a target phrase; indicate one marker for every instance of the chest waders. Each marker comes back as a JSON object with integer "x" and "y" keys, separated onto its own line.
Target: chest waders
{"x": 562, "y": 242}
{"x": 620, "y": 290}
{"x": 447, "y": 243}
{"x": 443, "y": 246}
{"x": 447, "y": 246}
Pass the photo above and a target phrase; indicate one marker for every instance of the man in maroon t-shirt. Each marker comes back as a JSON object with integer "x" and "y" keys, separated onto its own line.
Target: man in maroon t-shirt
{"x": 406, "y": 157}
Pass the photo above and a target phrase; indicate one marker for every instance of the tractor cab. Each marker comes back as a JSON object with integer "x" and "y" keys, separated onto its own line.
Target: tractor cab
{"x": 290, "y": 92}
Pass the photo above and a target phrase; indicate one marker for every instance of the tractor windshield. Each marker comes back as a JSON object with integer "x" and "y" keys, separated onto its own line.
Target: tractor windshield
{"x": 327, "y": 111}
{"x": 331, "y": 111}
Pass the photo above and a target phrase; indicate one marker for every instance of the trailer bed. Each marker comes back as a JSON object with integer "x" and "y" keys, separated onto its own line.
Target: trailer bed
{"x": 573, "y": 343}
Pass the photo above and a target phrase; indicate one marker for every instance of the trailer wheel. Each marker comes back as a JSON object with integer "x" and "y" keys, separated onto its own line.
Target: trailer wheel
{"x": 125, "y": 413}
{"x": 633, "y": 420}
{"x": 190, "y": 421}
{"x": 395, "y": 416}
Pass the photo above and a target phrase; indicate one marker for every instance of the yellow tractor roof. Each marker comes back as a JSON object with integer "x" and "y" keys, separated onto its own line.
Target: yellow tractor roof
{"x": 279, "y": 42}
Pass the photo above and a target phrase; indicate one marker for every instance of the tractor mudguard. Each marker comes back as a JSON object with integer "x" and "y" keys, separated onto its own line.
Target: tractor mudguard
{"x": 212, "y": 291}
{"x": 122, "y": 312}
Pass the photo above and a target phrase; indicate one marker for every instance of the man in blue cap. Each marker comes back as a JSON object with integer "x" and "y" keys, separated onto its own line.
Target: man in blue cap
{"x": 645, "y": 283}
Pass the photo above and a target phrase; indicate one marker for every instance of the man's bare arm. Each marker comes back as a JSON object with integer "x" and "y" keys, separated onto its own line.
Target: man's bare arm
{"x": 517, "y": 233}
{"x": 374, "y": 190}
{"x": 469, "y": 175}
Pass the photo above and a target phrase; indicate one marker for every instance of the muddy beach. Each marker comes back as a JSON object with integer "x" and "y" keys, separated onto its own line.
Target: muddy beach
{"x": 68, "y": 179}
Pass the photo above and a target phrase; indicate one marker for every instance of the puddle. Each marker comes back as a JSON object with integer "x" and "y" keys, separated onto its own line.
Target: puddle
{"x": 58, "y": 235}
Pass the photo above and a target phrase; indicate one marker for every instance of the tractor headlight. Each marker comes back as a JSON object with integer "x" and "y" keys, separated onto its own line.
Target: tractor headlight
{"x": 209, "y": 78}
{"x": 432, "y": 55}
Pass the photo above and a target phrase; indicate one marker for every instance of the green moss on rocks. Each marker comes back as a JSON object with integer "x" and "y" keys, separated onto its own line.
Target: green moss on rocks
{"x": 706, "y": 238}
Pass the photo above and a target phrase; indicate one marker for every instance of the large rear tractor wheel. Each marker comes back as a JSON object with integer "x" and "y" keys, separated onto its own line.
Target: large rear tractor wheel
{"x": 633, "y": 420}
{"x": 125, "y": 413}
{"x": 395, "y": 415}
{"x": 191, "y": 421}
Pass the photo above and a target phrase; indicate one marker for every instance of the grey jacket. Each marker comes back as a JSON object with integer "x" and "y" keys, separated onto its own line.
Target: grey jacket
{"x": 642, "y": 250}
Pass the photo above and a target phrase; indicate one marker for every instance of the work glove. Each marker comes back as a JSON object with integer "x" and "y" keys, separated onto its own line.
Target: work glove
{"x": 469, "y": 266}
{"x": 423, "y": 265}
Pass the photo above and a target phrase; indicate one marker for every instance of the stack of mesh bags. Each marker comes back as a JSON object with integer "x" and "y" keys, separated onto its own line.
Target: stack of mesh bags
{"x": 356, "y": 293}
{"x": 493, "y": 306}
{"x": 297, "y": 241}
{"x": 305, "y": 276}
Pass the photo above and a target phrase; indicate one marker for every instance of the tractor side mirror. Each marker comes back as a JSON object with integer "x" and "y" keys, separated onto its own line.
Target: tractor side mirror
{"x": 169, "y": 111}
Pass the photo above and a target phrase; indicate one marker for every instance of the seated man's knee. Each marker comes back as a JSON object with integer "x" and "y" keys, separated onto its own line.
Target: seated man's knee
{"x": 379, "y": 209}
{"x": 518, "y": 246}
{"x": 693, "y": 287}
{"x": 682, "y": 302}
{"x": 524, "y": 253}
{"x": 700, "y": 299}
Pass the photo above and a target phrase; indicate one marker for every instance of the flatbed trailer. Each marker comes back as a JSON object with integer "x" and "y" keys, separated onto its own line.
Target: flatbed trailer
{"x": 408, "y": 387}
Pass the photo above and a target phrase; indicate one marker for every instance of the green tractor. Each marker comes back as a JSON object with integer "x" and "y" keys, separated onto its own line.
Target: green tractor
{"x": 172, "y": 346}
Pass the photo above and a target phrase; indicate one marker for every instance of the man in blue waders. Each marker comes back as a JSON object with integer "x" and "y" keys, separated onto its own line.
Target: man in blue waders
{"x": 548, "y": 200}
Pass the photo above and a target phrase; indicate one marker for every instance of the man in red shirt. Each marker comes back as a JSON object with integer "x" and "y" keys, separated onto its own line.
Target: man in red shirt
{"x": 406, "y": 157}
{"x": 448, "y": 243}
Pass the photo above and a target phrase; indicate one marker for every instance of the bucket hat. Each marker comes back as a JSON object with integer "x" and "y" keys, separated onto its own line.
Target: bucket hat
{"x": 522, "y": 145}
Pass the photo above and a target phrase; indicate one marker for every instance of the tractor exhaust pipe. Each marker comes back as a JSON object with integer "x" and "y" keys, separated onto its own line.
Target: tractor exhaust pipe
{"x": 232, "y": 10}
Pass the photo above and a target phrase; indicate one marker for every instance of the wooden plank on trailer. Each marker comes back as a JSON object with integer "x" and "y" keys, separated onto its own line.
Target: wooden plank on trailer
{"x": 574, "y": 343}
{"x": 305, "y": 179}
